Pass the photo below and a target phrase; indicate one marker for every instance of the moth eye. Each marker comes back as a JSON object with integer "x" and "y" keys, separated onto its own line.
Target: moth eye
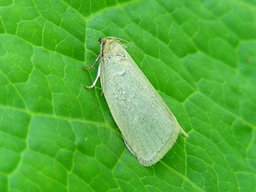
{"x": 102, "y": 41}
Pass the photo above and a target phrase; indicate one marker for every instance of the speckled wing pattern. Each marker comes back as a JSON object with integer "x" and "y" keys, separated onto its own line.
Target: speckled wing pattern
{"x": 148, "y": 127}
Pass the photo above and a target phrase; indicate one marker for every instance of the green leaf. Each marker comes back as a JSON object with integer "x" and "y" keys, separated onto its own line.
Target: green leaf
{"x": 55, "y": 135}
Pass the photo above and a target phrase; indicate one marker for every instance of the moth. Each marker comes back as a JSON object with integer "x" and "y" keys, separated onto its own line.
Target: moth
{"x": 149, "y": 129}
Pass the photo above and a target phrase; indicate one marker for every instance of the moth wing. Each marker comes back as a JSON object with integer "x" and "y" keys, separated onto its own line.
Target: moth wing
{"x": 148, "y": 127}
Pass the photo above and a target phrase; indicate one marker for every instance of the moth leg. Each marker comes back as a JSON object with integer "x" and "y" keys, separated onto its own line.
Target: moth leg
{"x": 96, "y": 79}
{"x": 91, "y": 66}
{"x": 98, "y": 72}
